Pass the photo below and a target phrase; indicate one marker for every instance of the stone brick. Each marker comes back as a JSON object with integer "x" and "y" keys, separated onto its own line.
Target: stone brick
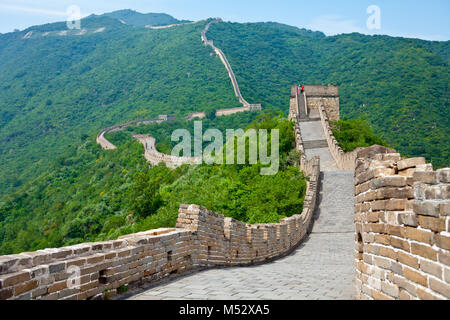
{"x": 404, "y": 295}
{"x": 407, "y": 259}
{"x": 377, "y": 295}
{"x": 388, "y": 181}
{"x": 394, "y": 230}
{"x": 429, "y": 177}
{"x": 438, "y": 192}
{"x": 434, "y": 224}
{"x": 415, "y": 277}
{"x": 399, "y": 243}
{"x": 424, "y": 251}
{"x": 444, "y": 209}
{"x": 396, "y": 204}
{"x": 398, "y": 193}
{"x": 443, "y": 175}
{"x": 25, "y": 287}
{"x": 442, "y": 241}
{"x": 425, "y": 295}
{"x": 57, "y": 287}
{"x": 96, "y": 259}
{"x": 426, "y": 208}
{"x": 410, "y": 163}
{"x": 382, "y": 262}
{"x": 432, "y": 268}
{"x": 388, "y": 252}
{"x": 440, "y": 287}
{"x": 406, "y": 284}
{"x": 372, "y": 217}
{"x": 383, "y": 239}
{"x": 447, "y": 275}
{"x": 11, "y": 279}
{"x": 76, "y": 262}
{"x": 397, "y": 268}
{"x": 61, "y": 253}
{"x": 407, "y": 172}
{"x": 419, "y": 235}
{"x": 374, "y": 227}
{"x": 6, "y": 293}
{"x": 444, "y": 257}
{"x": 56, "y": 267}
{"x": 389, "y": 289}
{"x": 409, "y": 219}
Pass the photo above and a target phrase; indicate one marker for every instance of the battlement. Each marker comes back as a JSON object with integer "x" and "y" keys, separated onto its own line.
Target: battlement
{"x": 316, "y": 90}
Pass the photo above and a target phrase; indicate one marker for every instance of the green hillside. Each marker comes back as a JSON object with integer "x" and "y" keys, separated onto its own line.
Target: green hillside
{"x": 56, "y": 89}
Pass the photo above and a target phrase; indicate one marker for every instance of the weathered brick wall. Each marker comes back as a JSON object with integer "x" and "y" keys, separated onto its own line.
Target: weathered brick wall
{"x": 331, "y": 105}
{"x": 344, "y": 160}
{"x": 402, "y": 216}
{"x": 202, "y": 239}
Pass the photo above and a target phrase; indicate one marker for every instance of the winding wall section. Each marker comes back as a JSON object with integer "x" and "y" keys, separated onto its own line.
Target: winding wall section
{"x": 151, "y": 154}
{"x": 246, "y": 106}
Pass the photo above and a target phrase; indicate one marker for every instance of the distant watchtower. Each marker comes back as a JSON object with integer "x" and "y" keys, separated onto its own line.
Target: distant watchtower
{"x": 328, "y": 96}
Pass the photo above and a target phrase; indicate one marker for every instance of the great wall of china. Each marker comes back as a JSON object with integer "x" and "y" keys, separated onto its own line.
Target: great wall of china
{"x": 151, "y": 154}
{"x": 374, "y": 225}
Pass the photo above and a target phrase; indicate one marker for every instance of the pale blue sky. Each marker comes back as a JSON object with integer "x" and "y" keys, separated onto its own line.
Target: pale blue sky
{"x": 410, "y": 18}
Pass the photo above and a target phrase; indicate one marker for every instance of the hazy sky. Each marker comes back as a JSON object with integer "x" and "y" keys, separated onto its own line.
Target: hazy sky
{"x": 425, "y": 19}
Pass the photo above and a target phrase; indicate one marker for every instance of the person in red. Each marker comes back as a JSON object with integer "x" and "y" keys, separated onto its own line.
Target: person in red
{"x": 303, "y": 88}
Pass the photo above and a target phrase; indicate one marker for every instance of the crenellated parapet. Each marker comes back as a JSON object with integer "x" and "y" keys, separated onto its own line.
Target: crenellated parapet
{"x": 344, "y": 160}
{"x": 402, "y": 219}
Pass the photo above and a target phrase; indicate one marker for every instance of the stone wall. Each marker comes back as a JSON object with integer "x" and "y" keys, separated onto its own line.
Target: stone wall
{"x": 344, "y": 160}
{"x": 153, "y": 156}
{"x": 331, "y": 105}
{"x": 402, "y": 218}
{"x": 245, "y": 105}
{"x": 106, "y": 145}
{"x": 202, "y": 239}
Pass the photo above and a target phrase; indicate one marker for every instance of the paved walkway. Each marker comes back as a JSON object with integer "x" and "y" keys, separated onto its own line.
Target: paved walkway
{"x": 320, "y": 268}
{"x": 313, "y": 131}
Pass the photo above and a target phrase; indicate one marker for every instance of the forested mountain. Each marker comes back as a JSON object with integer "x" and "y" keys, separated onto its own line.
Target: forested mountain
{"x": 59, "y": 88}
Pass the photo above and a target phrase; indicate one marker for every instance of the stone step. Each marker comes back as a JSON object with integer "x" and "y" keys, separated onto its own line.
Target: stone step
{"x": 306, "y": 119}
{"x": 315, "y": 144}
